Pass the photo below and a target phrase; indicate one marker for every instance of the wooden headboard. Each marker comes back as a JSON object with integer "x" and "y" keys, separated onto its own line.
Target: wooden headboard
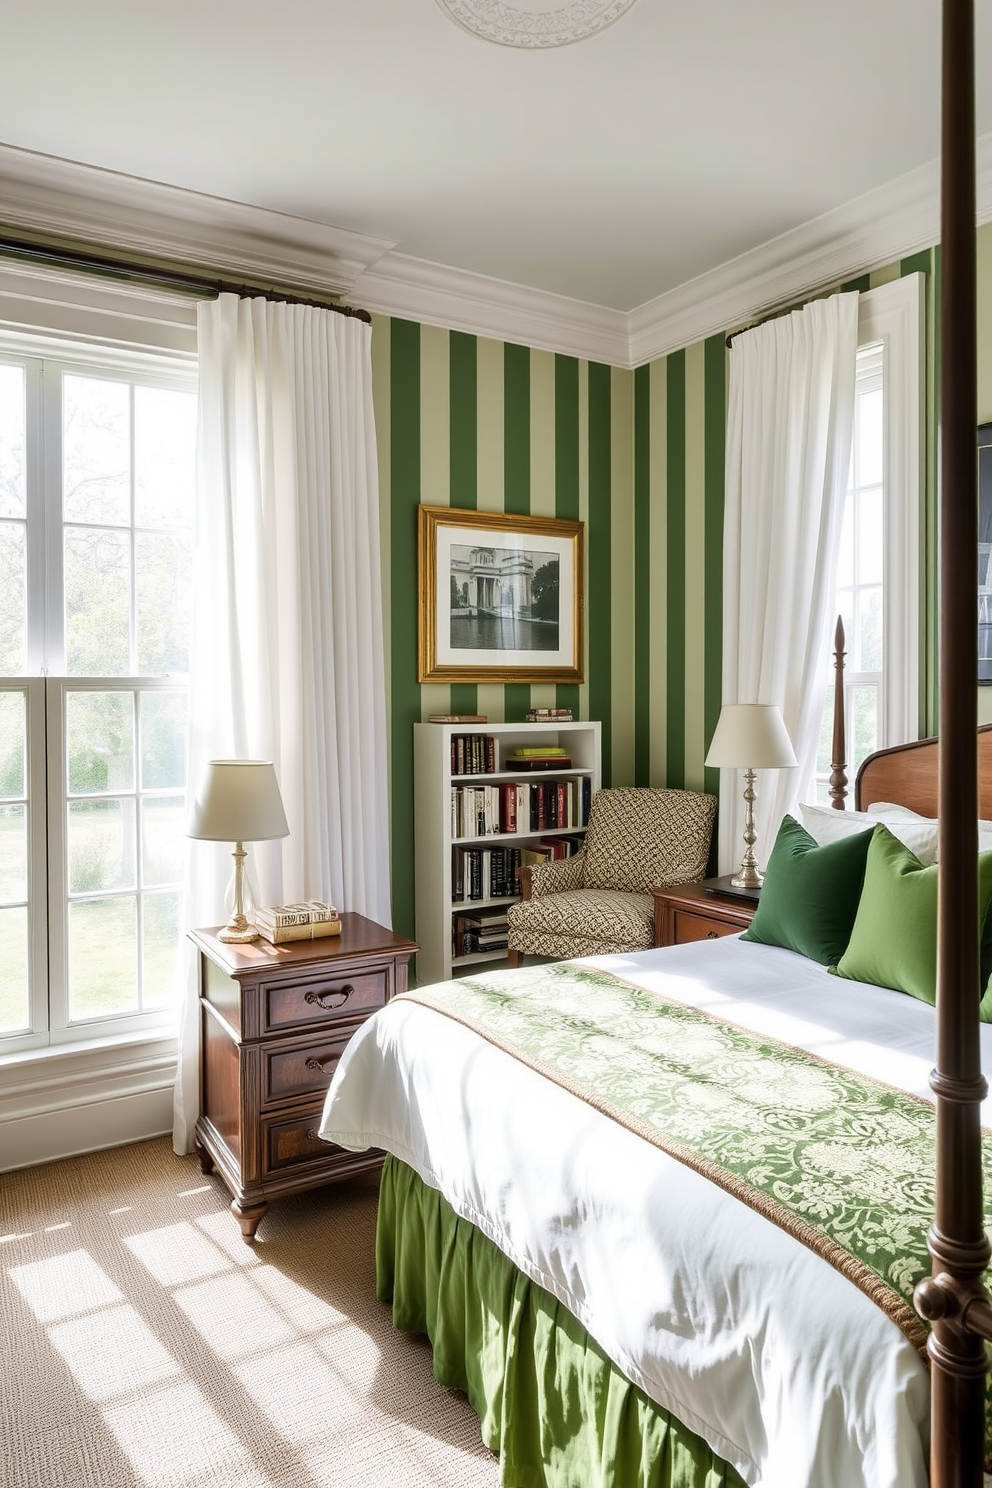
{"x": 907, "y": 773}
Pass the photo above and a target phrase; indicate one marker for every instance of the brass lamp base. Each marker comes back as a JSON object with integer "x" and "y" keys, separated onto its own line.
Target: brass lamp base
{"x": 747, "y": 875}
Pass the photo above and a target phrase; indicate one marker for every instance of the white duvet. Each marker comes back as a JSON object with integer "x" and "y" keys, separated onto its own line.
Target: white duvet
{"x": 755, "y": 1343}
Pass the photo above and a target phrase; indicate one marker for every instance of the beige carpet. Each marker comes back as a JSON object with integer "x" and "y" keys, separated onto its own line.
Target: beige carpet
{"x": 143, "y": 1343}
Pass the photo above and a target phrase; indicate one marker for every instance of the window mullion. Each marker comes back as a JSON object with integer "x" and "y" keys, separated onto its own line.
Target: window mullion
{"x": 54, "y": 608}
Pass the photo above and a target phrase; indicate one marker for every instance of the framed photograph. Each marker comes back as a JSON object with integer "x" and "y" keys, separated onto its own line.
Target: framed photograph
{"x": 985, "y": 554}
{"x": 500, "y": 597}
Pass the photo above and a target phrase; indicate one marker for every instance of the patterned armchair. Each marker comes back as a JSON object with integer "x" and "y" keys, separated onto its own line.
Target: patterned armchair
{"x": 600, "y": 900}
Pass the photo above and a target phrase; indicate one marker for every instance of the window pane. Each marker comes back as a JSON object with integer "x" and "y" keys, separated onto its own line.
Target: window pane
{"x": 163, "y": 579}
{"x": 13, "y": 857}
{"x": 870, "y": 615}
{"x": 164, "y": 457}
{"x": 13, "y": 744}
{"x": 13, "y": 481}
{"x": 103, "y": 958}
{"x": 864, "y": 708}
{"x": 99, "y": 741}
{"x": 13, "y": 599}
{"x": 870, "y": 443}
{"x": 102, "y": 849}
{"x": 845, "y": 558}
{"x": 97, "y": 602}
{"x": 163, "y": 740}
{"x": 870, "y": 538}
{"x": 96, "y": 450}
{"x": 160, "y": 949}
{"x": 163, "y": 840}
{"x": 15, "y": 1006}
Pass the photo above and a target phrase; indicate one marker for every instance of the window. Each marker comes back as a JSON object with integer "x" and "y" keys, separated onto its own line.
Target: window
{"x": 877, "y": 585}
{"x": 96, "y": 504}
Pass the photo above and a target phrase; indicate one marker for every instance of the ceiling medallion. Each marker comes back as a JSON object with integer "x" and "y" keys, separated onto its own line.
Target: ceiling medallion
{"x": 535, "y": 23}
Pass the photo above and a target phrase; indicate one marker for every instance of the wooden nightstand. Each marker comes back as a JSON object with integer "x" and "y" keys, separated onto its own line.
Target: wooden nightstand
{"x": 274, "y": 1022}
{"x": 688, "y": 912}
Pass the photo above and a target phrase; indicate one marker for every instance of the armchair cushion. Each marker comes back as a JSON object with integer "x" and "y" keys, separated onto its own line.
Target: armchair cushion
{"x": 639, "y": 839}
{"x": 557, "y": 878}
{"x": 585, "y": 922}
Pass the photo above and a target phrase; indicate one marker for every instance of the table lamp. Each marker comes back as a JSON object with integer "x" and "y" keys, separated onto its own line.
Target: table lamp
{"x": 749, "y": 737}
{"x": 238, "y": 802}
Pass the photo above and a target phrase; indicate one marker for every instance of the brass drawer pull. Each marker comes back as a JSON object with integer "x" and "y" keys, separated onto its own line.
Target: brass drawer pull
{"x": 320, "y": 1064}
{"x": 330, "y": 1007}
{"x": 712, "y": 935}
{"x": 313, "y": 1135}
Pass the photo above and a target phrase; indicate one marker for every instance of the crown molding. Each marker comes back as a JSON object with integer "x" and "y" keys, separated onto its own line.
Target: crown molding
{"x": 61, "y": 199}
{"x": 892, "y": 222}
{"x": 460, "y": 300}
{"x": 46, "y": 196}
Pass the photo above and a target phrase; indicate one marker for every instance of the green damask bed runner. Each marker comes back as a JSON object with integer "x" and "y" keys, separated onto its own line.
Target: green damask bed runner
{"x": 840, "y": 1161}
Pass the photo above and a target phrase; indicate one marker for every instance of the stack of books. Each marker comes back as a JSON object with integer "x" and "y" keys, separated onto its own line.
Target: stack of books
{"x": 549, "y": 715}
{"x": 480, "y": 933}
{"x": 538, "y": 757}
{"x": 308, "y": 921}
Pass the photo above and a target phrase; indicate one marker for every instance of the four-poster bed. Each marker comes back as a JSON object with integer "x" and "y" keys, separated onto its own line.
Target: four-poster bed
{"x": 753, "y": 1357}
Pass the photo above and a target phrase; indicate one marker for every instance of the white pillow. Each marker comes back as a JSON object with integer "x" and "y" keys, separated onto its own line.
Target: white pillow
{"x": 889, "y": 812}
{"x": 826, "y": 825}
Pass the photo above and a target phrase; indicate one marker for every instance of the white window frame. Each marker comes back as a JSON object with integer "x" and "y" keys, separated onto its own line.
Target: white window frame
{"x": 46, "y": 683}
{"x": 893, "y": 315}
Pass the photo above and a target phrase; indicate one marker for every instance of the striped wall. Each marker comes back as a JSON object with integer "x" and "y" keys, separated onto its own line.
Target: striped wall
{"x": 639, "y": 458}
{"x": 488, "y": 426}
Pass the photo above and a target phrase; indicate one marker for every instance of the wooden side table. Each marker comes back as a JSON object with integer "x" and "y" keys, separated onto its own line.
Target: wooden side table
{"x": 687, "y": 912}
{"x": 274, "y": 1022}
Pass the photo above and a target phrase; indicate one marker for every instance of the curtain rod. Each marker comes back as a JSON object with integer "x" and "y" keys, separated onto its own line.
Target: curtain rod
{"x": 775, "y": 312}
{"x": 180, "y": 279}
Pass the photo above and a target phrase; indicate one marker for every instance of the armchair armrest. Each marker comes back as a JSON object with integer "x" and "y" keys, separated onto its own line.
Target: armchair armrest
{"x": 554, "y": 878}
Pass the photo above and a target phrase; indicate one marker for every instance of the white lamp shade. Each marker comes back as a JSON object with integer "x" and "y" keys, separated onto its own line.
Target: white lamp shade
{"x": 238, "y": 801}
{"x": 751, "y": 736}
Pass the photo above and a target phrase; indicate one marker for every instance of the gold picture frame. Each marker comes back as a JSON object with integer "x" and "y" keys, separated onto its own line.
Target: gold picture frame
{"x": 501, "y": 597}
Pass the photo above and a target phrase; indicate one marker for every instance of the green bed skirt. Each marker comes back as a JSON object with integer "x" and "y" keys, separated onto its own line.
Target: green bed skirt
{"x": 553, "y": 1407}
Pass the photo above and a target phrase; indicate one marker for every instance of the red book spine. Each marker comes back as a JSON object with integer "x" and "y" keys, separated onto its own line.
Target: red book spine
{"x": 508, "y": 808}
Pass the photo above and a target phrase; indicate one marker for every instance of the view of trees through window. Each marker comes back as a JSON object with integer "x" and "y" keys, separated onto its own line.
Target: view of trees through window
{"x": 860, "y": 578}
{"x": 101, "y": 503}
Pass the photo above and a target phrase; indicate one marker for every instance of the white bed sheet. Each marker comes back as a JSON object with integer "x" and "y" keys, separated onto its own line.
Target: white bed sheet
{"x": 754, "y": 1342}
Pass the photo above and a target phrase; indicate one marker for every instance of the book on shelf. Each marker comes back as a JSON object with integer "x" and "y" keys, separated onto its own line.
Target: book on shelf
{"x": 549, "y": 715}
{"x": 539, "y": 751}
{"x": 539, "y": 762}
{"x": 283, "y": 934}
{"x": 279, "y": 916}
{"x": 484, "y": 873}
{"x": 483, "y": 930}
{"x": 519, "y": 807}
{"x": 473, "y": 754}
{"x": 457, "y": 718}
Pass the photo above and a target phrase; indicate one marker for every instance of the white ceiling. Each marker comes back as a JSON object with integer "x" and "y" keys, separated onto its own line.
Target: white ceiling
{"x": 611, "y": 170}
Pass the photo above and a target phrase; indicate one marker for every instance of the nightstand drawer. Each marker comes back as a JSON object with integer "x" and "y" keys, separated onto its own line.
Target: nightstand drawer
{"x": 292, "y": 1004}
{"x": 302, "y": 1068}
{"x": 698, "y": 927}
{"x": 288, "y": 1143}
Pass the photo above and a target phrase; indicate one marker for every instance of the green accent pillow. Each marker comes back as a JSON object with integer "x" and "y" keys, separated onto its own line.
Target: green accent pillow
{"x": 894, "y": 940}
{"x": 809, "y": 898}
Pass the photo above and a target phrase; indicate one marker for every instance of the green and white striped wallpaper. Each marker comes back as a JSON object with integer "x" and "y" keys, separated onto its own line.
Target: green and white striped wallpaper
{"x": 639, "y": 458}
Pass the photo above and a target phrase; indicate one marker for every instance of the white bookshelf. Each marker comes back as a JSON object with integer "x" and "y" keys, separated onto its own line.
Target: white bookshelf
{"x": 432, "y": 784}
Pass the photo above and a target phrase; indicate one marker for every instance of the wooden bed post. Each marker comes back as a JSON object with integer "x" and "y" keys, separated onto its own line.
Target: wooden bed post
{"x": 954, "y": 1297}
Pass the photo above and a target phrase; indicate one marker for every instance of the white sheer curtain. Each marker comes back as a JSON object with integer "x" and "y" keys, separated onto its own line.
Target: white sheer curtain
{"x": 287, "y": 661}
{"x": 789, "y": 431}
